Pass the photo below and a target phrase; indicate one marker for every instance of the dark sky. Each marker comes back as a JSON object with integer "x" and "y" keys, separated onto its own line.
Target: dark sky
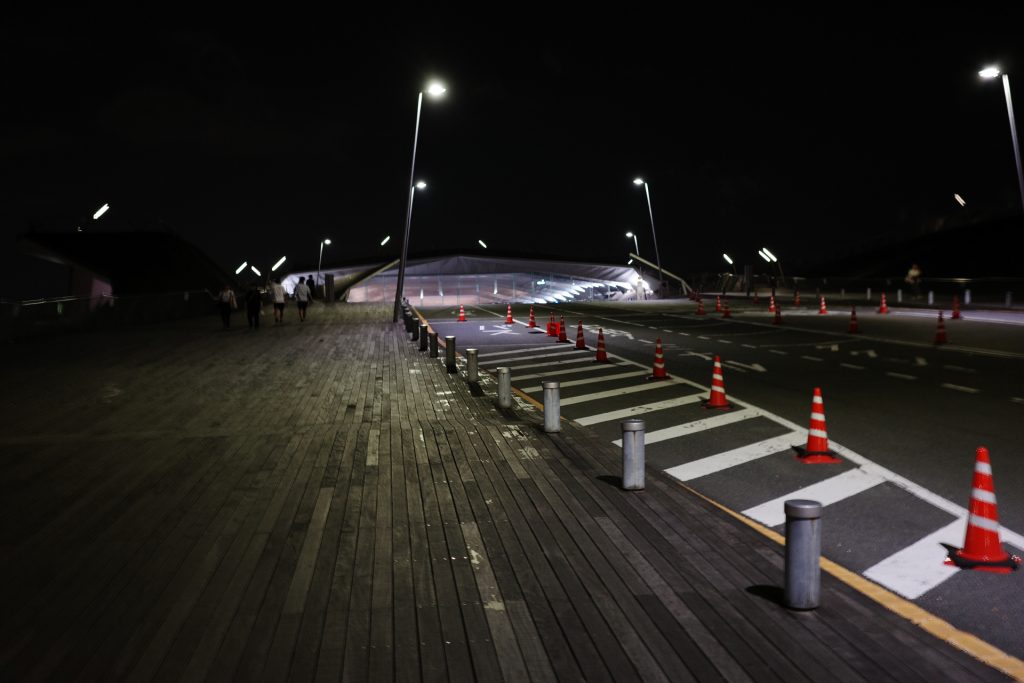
{"x": 257, "y": 136}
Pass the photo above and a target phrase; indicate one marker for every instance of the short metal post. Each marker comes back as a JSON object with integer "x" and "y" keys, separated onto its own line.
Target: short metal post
{"x": 433, "y": 344}
{"x": 504, "y": 387}
{"x": 899, "y": 296}
{"x": 423, "y": 337}
{"x": 967, "y": 297}
{"x": 449, "y": 353}
{"x": 552, "y": 409}
{"x": 869, "y": 294}
{"x": 632, "y": 454}
{"x": 416, "y": 332}
{"x": 931, "y": 297}
{"x": 1009, "y": 299}
{"x": 472, "y": 374}
{"x": 803, "y": 554}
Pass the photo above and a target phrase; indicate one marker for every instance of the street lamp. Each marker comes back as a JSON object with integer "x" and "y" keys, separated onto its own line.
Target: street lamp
{"x": 729, "y": 261}
{"x": 385, "y": 240}
{"x": 96, "y": 215}
{"x": 650, "y": 212}
{"x": 481, "y": 243}
{"x": 327, "y": 241}
{"x": 636, "y": 248}
{"x": 992, "y": 72}
{"x": 434, "y": 90}
{"x": 278, "y": 264}
{"x": 241, "y": 267}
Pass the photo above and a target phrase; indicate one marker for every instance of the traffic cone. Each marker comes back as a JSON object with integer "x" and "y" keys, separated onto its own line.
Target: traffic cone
{"x": 551, "y": 326}
{"x": 562, "y": 339}
{"x": 822, "y": 310}
{"x": 755, "y": 296}
{"x": 533, "y": 320}
{"x": 581, "y": 345}
{"x": 771, "y": 303}
{"x": 796, "y": 298}
{"x": 602, "y": 355}
{"x": 508, "y": 316}
{"x": 778, "y": 316}
{"x": 853, "y": 321}
{"x": 982, "y": 549}
{"x": 717, "y": 397}
{"x": 725, "y": 311}
{"x": 884, "y": 308}
{"x": 940, "y": 331}
{"x": 718, "y": 304}
{"x": 700, "y": 307}
{"x": 659, "y": 362}
{"x": 817, "y": 451}
{"x": 956, "y": 309}
{"x": 462, "y": 314}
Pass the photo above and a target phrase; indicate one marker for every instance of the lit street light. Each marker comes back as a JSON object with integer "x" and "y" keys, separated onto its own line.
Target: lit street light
{"x": 385, "y": 240}
{"x": 327, "y": 241}
{"x": 278, "y": 264}
{"x": 434, "y": 90}
{"x": 959, "y": 200}
{"x": 729, "y": 261}
{"x": 241, "y": 267}
{"x": 254, "y": 269}
{"x": 100, "y": 211}
{"x": 481, "y": 243}
{"x": 650, "y": 212}
{"x": 992, "y": 72}
{"x": 636, "y": 248}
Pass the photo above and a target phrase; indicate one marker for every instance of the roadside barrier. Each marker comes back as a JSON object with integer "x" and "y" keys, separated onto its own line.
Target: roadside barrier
{"x": 632, "y": 454}
{"x": 659, "y": 362}
{"x": 803, "y": 554}
{"x": 717, "y": 398}
{"x": 817, "y": 451}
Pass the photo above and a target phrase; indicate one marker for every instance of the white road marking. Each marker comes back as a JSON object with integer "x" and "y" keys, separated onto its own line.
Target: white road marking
{"x": 814, "y": 358}
{"x": 919, "y": 361}
{"x": 639, "y": 410}
{"x": 506, "y": 353}
{"x": 668, "y": 331}
{"x": 1017, "y": 399}
{"x": 567, "y": 371}
{"x": 584, "y": 359}
{"x": 724, "y": 341}
{"x": 695, "y": 426}
{"x": 777, "y": 352}
{"x": 957, "y": 368}
{"x": 851, "y": 366}
{"x": 591, "y": 380}
{"x": 957, "y": 387}
{"x": 900, "y": 375}
{"x": 748, "y": 346}
{"x": 756, "y": 367}
{"x": 737, "y": 456}
{"x": 919, "y": 567}
{"x": 653, "y": 384}
{"x": 831, "y": 490}
{"x": 700, "y": 336}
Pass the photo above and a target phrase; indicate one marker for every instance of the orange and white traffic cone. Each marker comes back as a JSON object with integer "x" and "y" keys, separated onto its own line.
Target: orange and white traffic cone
{"x": 700, "y": 307}
{"x": 659, "y": 362}
{"x": 778, "y": 316}
{"x": 884, "y": 307}
{"x": 822, "y": 310}
{"x": 755, "y": 296}
{"x": 853, "y": 321}
{"x": 562, "y": 339}
{"x": 602, "y": 354}
{"x": 552, "y": 332}
{"x": 725, "y": 311}
{"x": 956, "y": 309}
{"x": 508, "y": 316}
{"x": 771, "y": 303}
{"x": 796, "y": 298}
{"x": 940, "y": 331}
{"x": 462, "y": 314}
{"x": 581, "y": 345}
{"x": 816, "y": 450}
{"x": 533, "y": 320}
{"x": 718, "y": 304}
{"x": 717, "y": 397}
{"x": 982, "y": 549}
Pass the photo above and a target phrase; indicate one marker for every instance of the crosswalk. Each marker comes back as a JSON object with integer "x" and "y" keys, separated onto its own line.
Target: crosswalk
{"x": 681, "y": 438}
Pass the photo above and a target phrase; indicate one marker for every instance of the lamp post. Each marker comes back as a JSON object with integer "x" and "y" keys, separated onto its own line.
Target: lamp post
{"x": 729, "y": 261}
{"x": 434, "y": 90}
{"x": 320, "y": 261}
{"x": 636, "y": 250}
{"x": 97, "y": 214}
{"x": 992, "y": 72}
{"x": 650, "y": 212}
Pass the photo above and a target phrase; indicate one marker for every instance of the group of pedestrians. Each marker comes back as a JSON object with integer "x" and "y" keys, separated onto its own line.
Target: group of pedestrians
{"x": 227, "y": 303}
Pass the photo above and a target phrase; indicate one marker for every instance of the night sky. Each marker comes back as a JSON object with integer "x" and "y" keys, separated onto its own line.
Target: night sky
{"x": 257, "y": 136}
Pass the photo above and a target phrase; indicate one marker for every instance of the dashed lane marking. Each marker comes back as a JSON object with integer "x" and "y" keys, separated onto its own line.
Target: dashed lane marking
{"x": 851, "y": 366}
{"x": 957, "y": 387}
{"x": 957, "y": 368}
{"x": 828, "y": 491}
{"x": 1017, "y": 399}
{"x": 900, "y": 375}
{"x": 639, "y": 410}
{"x": 591, "y": 380}
{"x": 748, "y": 346}
{"x": 777, "y": 352}
{"x": 812, "y": 358}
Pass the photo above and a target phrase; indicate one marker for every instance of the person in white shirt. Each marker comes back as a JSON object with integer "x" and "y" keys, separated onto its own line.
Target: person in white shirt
{"x": 301, "y": 293}
{"x": 277, "y": 296}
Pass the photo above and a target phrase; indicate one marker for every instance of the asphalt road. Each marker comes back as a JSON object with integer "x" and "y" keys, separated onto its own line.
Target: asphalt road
{"x": 904, "y": 414}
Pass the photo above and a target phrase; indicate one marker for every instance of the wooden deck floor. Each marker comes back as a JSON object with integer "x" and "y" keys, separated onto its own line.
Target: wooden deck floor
{"x": 322, "y": 501}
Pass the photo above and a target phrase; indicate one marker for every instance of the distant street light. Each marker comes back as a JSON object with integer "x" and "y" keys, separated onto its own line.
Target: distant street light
{"x": 729, "y": 261}
{"x": 959, "y": 200}
{"x": 481, "y": 243}
{"x": 992, "y": 72}
{"x": 278, "y": 264}
{"x": 258, "y": 273}
{"x": 434, "y": 90}
{"x": 650, "y": 212}
{"x": 385, "y": 240}
{"x": 636, "y": 248}
{"x": 241, "y": 267}
{"x": 327, "y": 241}
{"x": 100, "y": 211}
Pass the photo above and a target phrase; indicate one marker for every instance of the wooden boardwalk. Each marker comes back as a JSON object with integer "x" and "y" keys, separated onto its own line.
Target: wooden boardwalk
{"x": 321, "y": 501}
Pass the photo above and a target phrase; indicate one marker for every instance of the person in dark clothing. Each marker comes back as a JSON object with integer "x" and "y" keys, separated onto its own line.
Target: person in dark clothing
{"x": 226, "y": 302}
{"x": 254, "y": 307}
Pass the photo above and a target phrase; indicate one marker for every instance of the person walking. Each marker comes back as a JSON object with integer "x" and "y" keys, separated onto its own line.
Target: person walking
{"x": 301, "y": 293}
{"x": 254, "y": 307}
{"x": 277, "y": 295}
{"x": 226, "y": 302}
{"x": 914, "y": 279}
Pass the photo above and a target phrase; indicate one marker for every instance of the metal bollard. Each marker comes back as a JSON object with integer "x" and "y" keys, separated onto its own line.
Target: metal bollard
{"x": 1009, "y": 299}
{"x": 931, "y": 297}
{"x": 504, "y": 387}
{"x": 552, "y": 409}
{"x": 416, "y": 332}
{"x": 899, "y": 296}
{"x": 869, "y": 294}
{"x": 423, "y": 337}
{"x": 967, "y": 297}
{"x": 433, "y": 344}
{"x": 472, "y": 374}
{"x": 449, "y": 354}
{"x": 632, "y": 454}
{"x": 803, "y": 554}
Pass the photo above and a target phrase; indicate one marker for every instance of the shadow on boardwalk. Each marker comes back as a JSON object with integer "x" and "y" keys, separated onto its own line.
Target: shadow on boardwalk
{"x": 321, "y": 500}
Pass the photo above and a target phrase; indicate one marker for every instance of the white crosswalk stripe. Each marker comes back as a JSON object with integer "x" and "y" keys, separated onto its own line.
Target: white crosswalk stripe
{"x": 737, "y": 456}
{"x": 695, "y": 426}
{"x": 831, "y": 490}
{"x": 591, "y": 380}
{"x": 639, "y": 410}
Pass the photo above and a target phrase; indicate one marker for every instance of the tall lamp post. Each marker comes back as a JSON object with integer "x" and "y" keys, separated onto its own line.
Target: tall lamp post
{"x": 650, "y": 212}
{"x": 992, "y": 72}
{"x": 636, "y": 250}
{"x": 434, "y": 90}
{"x": 320, "y": 261}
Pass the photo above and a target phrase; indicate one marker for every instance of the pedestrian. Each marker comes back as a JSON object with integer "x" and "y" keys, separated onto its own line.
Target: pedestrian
{"x": 301, "y": 293}
{"x": 254, "y": 307}
{"x": 312, "y": 286}
{"x": 277, "y": 297}
{"x": 914, "y": 279}
{"x": 226, "y": 302}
